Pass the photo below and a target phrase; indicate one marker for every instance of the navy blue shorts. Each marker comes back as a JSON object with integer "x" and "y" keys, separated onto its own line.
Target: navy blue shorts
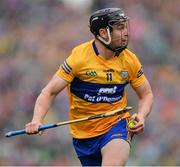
{"x": 89, "y": 150}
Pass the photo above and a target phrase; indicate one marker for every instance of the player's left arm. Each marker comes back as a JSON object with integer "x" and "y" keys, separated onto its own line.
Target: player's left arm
{"x": 145, "y": 95}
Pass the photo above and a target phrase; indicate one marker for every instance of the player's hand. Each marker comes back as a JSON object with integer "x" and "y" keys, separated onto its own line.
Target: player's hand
{"x": 139, "y": 126}
{"x": 32, "y": 128}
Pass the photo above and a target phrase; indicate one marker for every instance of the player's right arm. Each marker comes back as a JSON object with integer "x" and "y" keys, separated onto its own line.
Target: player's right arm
{"x": 60, "y": 80}
{"x": 44, "y": 101}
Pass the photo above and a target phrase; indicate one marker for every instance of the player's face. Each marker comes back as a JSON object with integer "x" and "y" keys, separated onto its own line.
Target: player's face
{"x": 120, "y": 34}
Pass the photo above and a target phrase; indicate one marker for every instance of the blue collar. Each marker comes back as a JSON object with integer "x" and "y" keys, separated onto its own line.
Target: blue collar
{"x": 95, "y": 48}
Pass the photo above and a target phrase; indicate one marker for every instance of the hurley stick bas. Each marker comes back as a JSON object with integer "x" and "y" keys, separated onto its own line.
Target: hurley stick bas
{"x": 48, "y": 126}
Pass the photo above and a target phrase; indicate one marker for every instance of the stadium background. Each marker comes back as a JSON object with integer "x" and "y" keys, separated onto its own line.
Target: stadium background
{"x": 37, "y": 35}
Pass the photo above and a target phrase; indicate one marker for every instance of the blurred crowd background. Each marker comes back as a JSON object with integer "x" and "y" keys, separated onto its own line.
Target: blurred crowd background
{"x": 35, "y": 38}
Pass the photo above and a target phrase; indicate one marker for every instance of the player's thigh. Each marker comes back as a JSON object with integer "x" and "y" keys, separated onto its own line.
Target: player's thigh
{"x": 115, "y": 153}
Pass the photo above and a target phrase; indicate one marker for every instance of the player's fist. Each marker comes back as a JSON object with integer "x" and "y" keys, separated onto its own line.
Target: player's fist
{"x": 32, "y": 128}
{"x": 136, "y": 124}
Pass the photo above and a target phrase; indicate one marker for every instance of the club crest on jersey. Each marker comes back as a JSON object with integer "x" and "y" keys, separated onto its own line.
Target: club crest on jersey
{"x": 124, "y": 74}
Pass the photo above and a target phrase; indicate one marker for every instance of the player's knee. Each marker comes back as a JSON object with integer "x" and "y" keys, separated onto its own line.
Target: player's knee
{"x": 114, "y": 163}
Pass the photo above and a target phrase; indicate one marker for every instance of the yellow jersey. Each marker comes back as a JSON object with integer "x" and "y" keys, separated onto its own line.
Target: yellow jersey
{"x": 97, "y": 85}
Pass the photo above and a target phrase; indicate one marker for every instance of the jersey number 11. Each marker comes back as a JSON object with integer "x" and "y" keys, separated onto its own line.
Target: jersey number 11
{"x": 109, "y": 76}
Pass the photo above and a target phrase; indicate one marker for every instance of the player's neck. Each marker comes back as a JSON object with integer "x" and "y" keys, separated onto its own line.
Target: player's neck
{"x": 103, "y": 51}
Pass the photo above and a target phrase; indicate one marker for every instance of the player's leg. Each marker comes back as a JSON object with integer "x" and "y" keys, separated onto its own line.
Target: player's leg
{"x": 115, "y": 153}
{"x": 88, "y": 151}
{"x": 90, "y": 160}
{"x": 115, "y": 146}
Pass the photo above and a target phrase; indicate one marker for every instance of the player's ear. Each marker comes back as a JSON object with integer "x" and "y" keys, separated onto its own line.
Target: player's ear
{"x": 103, "y": 33}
